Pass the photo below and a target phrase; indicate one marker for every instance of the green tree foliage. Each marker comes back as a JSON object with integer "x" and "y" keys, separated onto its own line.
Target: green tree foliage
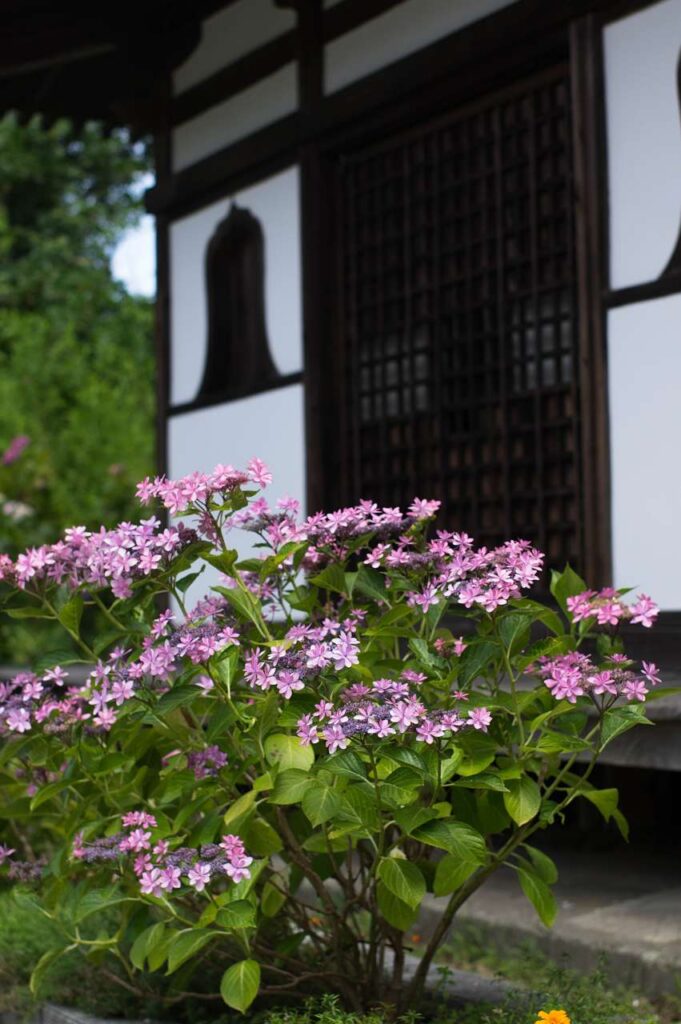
{"x": 76, "y": 354}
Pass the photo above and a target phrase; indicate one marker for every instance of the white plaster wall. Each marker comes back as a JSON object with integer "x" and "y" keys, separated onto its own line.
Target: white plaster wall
{"x": 644, "y": 355}
{"x": 229, "y": 34}
{"x": 644, "y": 141}
{"x": 235, "y": 118}
{"x": 400, "y": 31}
{"x": 269, "y": 426}
{"x": 275, "y": 202}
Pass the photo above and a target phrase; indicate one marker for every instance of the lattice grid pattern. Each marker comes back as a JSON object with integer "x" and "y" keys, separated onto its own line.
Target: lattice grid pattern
{"x": 459, "y": 325}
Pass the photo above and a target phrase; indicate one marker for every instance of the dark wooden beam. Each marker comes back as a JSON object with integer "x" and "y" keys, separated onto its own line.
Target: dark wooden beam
{"x": 591, "y": 241}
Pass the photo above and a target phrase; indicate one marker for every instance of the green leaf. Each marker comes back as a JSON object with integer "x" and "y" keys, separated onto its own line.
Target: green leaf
{"x": 239, "y": 809}
{"x": 28, "y": 613}
{"x": 321, "y": 803}
{"x": 288, "y": 752}
{"x": 244, "y": 603}
{"x": 260, "y": 838}
{"x": 453, "y": 836}
{"x": 606, "y": 800}
{"x": 145, "y": 942}
{"x": 45, "y": 962}
{"x": 331, "y": 578}
{"x": 240, "y": 984}
{"x": 483, "y": 780}
{"x": 426, "y": 658}
{"x": 396, "y": 912}
{"x": 539, "y": 895}
{"x": 451, "y": 873}
{"x": 272, "y": 900}
{"x": 566, "y": 584}
{"x": 47, "y": 792}
{"x": 348, "y": 764}
{"x": 370, "y": 582}
{"x": 523, "y": 799}
{"x": 403, "y": 879}
{"x": 475, "y": 659}
{"x": 71, "y": 613}
{"x": 543, "y": 865}
{"x": 619, "y": 720}
{"x": 186, "y": 945}
{"x": 235, "y": 915}
{"x": 290, "y": 786}
{"x": 513, "y": 626}
{"x": 185, "y": 582}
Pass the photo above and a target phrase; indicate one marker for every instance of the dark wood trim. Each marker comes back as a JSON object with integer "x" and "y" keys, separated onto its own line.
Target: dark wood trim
{"x": 264, "y": 153}
{"x": 590, "y": 192}
{"x": 233, "y": 395}
{"x": 314, "y": 243}
{"x": 269, "y": 58}
{"x": 163, "y": 164}
{"x": 660, "y": 644}
{"x": 657, "y": 289}
{"x": 237, "y": 76}
{"x": 487, "y": 54}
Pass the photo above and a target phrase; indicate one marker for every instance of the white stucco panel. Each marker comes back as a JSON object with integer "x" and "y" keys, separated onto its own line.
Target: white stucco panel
{"x": 235, "y": 118}
{"x": 269, "y": 426}
{"x": 400, "y": 31}
{"x": 644, "y": 141}
{"x": 644, "y": 355}
{"x": 275, "y": 202}
{"x": 229, "y": 34}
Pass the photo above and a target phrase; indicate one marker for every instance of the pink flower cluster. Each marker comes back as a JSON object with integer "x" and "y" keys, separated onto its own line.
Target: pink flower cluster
{"x": 197, "y": 491}
{"x": 456, "y": 571}
{"x": 329, "y": 534}
{"x": 48, "y": 700}
{"x": 608, "y": 609}
{"x": 388, "y": 707}
{"x": 107, "y": 558}
{"x": 160, "y": 869}
{"x": 573, "y": 675}
{"x": 304, "y": 654}
{"x": 29, "y": 699}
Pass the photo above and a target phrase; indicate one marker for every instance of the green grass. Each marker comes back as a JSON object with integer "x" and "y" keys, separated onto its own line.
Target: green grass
{"x": 76, "y": 982}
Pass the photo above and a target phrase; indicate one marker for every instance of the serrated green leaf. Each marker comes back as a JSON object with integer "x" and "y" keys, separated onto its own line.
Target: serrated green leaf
{"x": 451, "y": 873}
{"x": 320, "y": 803}
{"x": 539, "y": 895}
{"x": 240, "y": 984}
{"x": 455, "y": 837}
{"x": 288, "y": 752}
{"x": 523, "y": 799}
{"x": 403, "y": 879}
{"x": 566, "y": 584}
{"x": 543, "y": 865}
{"x": 145, "y": 942}
{"x": 397, "y": 913}
{"x": 186, "y": 945}
{"x": 290, "y": 786}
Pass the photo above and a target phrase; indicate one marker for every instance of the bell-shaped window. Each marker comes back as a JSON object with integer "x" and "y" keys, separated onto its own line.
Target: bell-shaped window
{"x": 238, "y": 359}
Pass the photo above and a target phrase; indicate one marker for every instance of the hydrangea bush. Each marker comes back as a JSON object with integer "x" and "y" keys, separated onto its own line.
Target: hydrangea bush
{"x": 366, "y": 714}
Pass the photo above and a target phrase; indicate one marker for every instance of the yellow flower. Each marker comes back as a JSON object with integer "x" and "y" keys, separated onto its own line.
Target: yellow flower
{"x": 553, "y": 1017}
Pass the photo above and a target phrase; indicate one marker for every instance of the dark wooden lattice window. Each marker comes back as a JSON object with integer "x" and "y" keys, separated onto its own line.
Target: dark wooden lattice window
{"x": 238, "y": 359}
{"x": 458, "y": 323}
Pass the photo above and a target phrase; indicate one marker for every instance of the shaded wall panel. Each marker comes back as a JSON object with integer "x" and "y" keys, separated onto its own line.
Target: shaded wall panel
{"x": 275, "y": 202}
{"x": 269, "y": 426}
{"x": 644, "y": 354}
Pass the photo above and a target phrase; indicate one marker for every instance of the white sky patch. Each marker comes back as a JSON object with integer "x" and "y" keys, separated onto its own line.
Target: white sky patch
{"x": 134, "y": 259}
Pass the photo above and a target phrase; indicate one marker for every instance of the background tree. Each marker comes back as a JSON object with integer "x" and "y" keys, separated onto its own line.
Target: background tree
{"x": 76, "y": 354}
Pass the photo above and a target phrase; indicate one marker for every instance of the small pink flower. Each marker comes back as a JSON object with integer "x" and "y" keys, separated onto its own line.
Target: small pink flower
{"x": 479, "y": 718}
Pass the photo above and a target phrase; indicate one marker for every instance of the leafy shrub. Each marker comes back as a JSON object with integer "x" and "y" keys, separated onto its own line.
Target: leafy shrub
{"x": 271, "y": 782}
